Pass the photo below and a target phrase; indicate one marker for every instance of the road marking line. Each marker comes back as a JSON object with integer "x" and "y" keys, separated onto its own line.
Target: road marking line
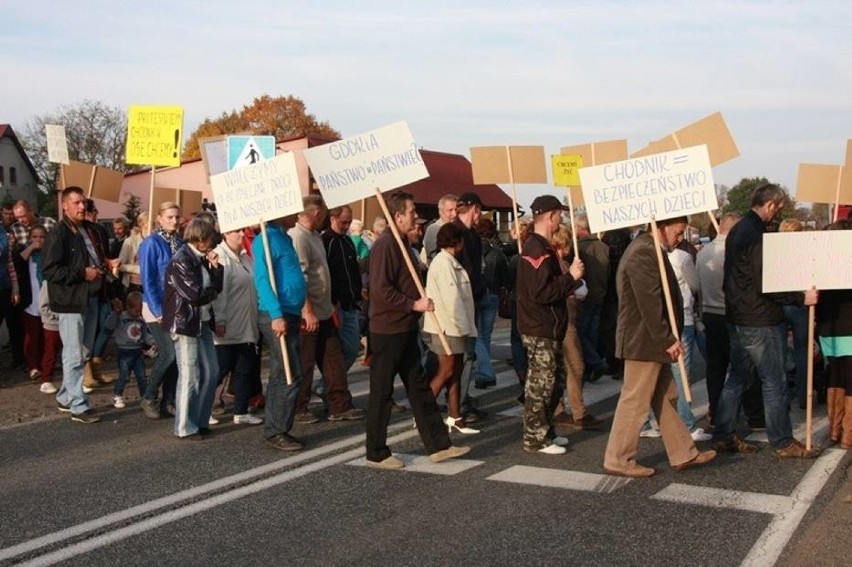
{"x": 724, "y": 498}
{"x": 148, "y": 524}
{"x": 774, "y": 538}
{"x": 558, "y": 478}
{"x": 422, "y": 464}
{"x": 178, "y": 497}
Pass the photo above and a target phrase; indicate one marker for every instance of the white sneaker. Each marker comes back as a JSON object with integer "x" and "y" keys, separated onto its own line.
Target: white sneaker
{"x": 47, "y": 388}
{"x": 247, "y": 419}
{"x": 649, "y": 433}
{"x": 560, "y": 441}
{"x": 700, "y": 435}
{"x": 213, "y": 421}
{"x": 88, "y": 390}
{"x": 118, "y": 402}
{"x": 553, "y": 449}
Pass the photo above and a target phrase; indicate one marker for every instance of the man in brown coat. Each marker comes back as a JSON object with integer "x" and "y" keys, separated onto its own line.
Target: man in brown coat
{"x": 645, "y": 341}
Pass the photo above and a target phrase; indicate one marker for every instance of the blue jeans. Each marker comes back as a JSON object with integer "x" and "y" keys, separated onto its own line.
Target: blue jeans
{"x": 350, "y": 335}
{"x": 483, "y": 371}
{"x": 198, "y": 369}
{"x": 757, "y": 351}
{"x": 164, "y": 371}
{"x": 73, "y": 328}
{"x": 280, "y": 398}
{"x": 130, "y": 359}
{"x": 797, "y": 320}
{"x": 102, "y": 335}
{"x": 590, "y": 322}
{"x": 683, "y": 409}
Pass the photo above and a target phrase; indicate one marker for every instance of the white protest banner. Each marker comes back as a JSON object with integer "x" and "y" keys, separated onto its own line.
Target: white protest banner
{"x": 57, "y": 146}
{"x": 256, "y": 193}
{"x": 662, "y": 186}
{"x": 796, "y": 261}
{"x": 353, "y": 168}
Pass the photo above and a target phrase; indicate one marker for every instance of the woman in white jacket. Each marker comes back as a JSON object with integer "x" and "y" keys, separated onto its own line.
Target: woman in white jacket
{"x": 449, "y": 288}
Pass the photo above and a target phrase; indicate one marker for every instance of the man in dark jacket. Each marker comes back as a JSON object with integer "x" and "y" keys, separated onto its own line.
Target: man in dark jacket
{"x": 595, "y": 257}
{"x": 542, "y": 290}
{"x": 73, "y": 265}
{"x": 647, "y": 343}
{"x": 758, "y": 332}
{"x": 395, "y": 309}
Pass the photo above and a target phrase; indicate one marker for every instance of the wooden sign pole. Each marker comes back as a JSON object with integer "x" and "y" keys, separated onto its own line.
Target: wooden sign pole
{"x": 514, "y": 196}
{"x": 151, "y": 201}
{"x": 282, "y": 341}
{"x": 573, "y": 225}
{"x": 62, "y": 175}
{"x": 809, "y": 408}
{"x": 407, "y": 258}
{"x": 92, "y": 181}
{"x": 837, "y": 194}
{"x": 670, "y": 308}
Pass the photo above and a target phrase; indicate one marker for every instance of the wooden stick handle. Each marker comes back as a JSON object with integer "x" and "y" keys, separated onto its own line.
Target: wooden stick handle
{"x": 514, "y": 196}
{"x": 407, "y": 258}
{"x": 573, "y": 224}
{"x": 837, "y": 195}
{"x": 713, "y": 221}
{"x": 809, "y": 408}
{"x": 92, "y": 181}
{"x": 282, "y": 342}
{"x": 684, "y": 377}
{"x": 151, "y": 201}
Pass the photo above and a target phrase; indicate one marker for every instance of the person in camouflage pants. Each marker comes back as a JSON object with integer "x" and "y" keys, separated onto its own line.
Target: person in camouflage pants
{"x": 543, "y": 388}
{"x": 542, "y": 321}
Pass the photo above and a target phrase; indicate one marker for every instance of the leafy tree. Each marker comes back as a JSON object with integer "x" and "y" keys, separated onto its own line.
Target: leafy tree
{"x": 282, "y": 117}
{"x": 132, "y": 209}
{"x": 739, "y": 197}
{"x": 96, "y": 134}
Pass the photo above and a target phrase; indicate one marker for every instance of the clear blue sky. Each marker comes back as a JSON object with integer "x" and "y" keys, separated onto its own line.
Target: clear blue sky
{"x": 461, "y": 73}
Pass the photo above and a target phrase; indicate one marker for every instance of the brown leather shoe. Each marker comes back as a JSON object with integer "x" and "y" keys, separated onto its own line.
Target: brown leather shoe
{"x": 633, "y": 471}
{"x": 701, "y": 458}
{"x": 795, "y": 450}
{"x": 734, "y": 445}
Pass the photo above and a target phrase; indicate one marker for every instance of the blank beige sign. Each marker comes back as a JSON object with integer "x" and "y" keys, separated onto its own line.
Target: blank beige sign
{"x": 491, "y": 164}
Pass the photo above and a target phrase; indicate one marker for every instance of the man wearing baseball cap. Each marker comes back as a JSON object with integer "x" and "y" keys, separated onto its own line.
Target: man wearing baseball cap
{"x": 542, "y": 289}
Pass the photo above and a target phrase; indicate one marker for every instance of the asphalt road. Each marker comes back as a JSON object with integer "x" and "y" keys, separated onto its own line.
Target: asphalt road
{"x": 126, "y": 492}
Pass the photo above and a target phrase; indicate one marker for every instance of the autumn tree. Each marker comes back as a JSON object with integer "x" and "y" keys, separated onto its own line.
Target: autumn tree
{"x": 739, "y": 197}
{"x": 282, "y": 117}
{"x": 96, "y": 133}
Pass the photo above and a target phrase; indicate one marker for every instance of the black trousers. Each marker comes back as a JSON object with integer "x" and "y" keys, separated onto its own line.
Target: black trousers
{"x": 239, "y": 360}
{"x": 718, "y": 360}
{"x": 392, "y": 355}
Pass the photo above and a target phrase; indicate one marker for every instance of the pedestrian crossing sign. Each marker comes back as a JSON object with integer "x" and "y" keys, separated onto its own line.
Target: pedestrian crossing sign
{"x": 246, "y": 150}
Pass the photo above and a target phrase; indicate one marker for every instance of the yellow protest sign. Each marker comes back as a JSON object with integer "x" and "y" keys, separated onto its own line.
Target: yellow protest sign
{"x": 154, "y": 135}
{"x": 566, "y": 170}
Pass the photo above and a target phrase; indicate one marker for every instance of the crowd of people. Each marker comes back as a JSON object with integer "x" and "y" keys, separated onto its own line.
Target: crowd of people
{"x": 317, "y": 290}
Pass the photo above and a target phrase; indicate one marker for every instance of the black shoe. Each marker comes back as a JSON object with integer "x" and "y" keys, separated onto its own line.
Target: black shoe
{"x": 284, "y": 442}
{"x": 204, "y": 431}
{"x": 473, "y": 415}
{"x": 88, "y": 416}
{"x": 63, "y": 408}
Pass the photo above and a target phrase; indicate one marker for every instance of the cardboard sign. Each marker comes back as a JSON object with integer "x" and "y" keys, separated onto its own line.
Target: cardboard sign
{"x": 57, "y": 145}
{"x": 599, "y": 153}
{"x": 154, "y": 135}
{"x": 848, "y": 152}
{"x": 246, "y": 150}
{"x": 353, "y": 168}
{"x": 189, "y": 201}
{"x": 711, "y": 131}
{"x": 491, "y": 164}
{"x": 821, "y": 183}
{"x": 796, "y": 261}
{"x": 566, "y": 170}
{"x": 107, "y": 182}
{"x": 663, "y": 186}
{"x": 214, "y": 154}
{"x": 256, "y": 193}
